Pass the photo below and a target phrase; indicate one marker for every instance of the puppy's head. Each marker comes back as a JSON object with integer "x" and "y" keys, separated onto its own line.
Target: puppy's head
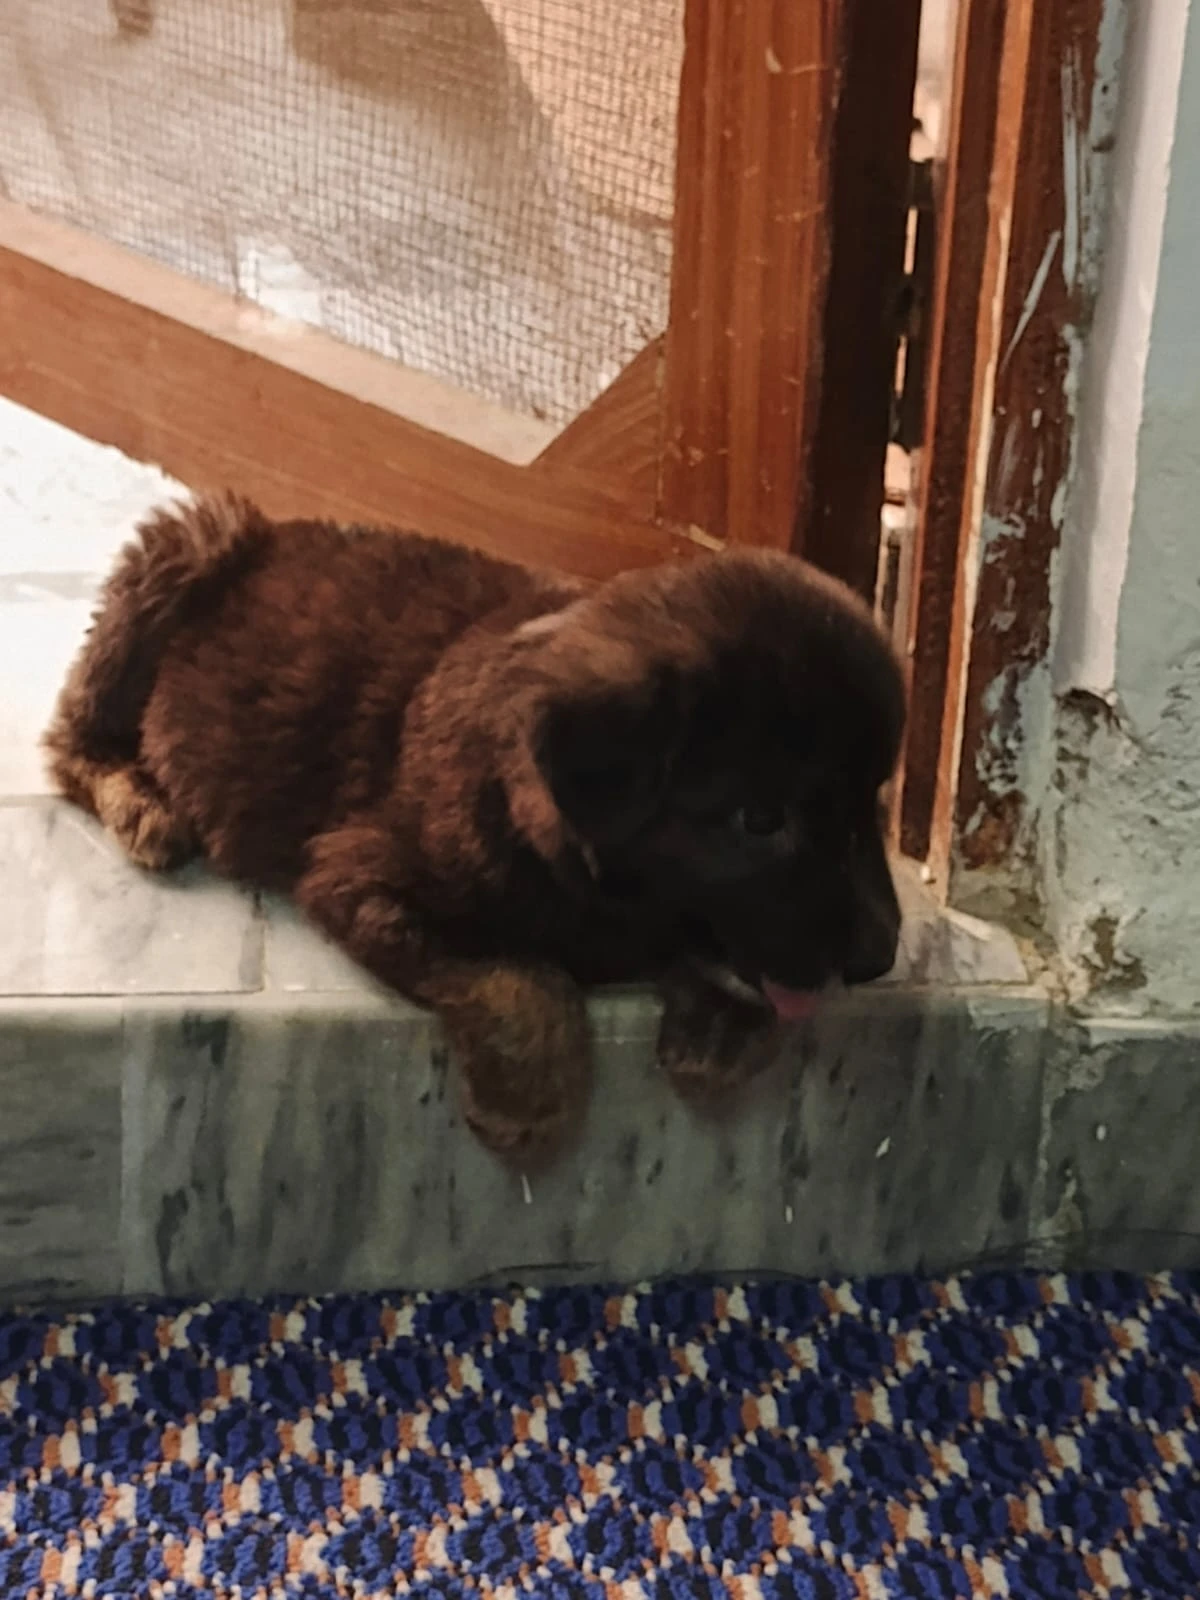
{"x": 716, "y": 738}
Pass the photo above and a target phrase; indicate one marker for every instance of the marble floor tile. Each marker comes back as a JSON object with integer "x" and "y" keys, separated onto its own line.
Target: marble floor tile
{"x": 80, "y": 919}
{"x": 1122, "y": 1149}
{"x": 910, "y": 1135}
{"x": 298, "y": 959}
{"x": 942, "y": 948}
{"x": 60, "y": 1156}
{"x": 67, "y": 504}
{"x": 273, "y": 1149}
{"x": 888, "y": 1137}
{"x": 269, "y": 1147}
{"x": 40, "y": 632}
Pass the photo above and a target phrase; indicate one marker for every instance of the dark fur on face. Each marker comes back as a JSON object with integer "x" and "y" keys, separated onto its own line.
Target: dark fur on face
{"x": 493, "y": 786}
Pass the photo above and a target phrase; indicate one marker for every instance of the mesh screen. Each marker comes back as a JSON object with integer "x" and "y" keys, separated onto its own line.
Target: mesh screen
{"x": 478, "y": 188}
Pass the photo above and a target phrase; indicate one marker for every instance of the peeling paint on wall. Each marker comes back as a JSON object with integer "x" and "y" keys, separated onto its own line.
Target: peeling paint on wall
{"x": 1054, "y": 277}
{"x": 1035, "y": 292}
{"x": 1121, "y": 827}
{"x": 1124, "y": 862}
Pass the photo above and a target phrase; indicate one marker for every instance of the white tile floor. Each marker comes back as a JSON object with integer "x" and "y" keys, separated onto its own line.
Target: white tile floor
{"x": 78, "y": 918}
{"x": 66, "y": 507}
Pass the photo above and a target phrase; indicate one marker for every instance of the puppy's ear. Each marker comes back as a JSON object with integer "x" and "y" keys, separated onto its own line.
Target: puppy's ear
{"x": 605, "y": 753}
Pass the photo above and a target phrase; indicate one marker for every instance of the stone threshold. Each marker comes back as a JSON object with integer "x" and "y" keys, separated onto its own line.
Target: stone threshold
{"x": 199, "y": 1097}
{"x": 234, "y": 1144}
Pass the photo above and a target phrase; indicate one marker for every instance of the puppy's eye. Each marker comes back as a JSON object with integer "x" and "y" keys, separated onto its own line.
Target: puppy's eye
{"x": 760, "y": 820}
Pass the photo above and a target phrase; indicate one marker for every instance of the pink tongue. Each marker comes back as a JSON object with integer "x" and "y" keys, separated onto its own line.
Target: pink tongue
{"x": 791, "y": 1005}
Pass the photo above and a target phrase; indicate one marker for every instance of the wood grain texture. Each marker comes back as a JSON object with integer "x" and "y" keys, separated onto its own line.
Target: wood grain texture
{"x": 1046, "y": 304}
{"x": 976, "y": 211}
{"x": 619, "y": 436}
{"x": 704, "y": 440}
{"x": 869, "y": 199}
{"x": 360, "y": 374}
{"x": 751, "y": 253}
{"x": 158, "y": 384}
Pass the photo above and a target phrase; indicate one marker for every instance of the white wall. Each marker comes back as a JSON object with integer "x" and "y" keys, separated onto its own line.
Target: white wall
{"x": 1096, "y": 537}
{"x": 1121, "y": 835}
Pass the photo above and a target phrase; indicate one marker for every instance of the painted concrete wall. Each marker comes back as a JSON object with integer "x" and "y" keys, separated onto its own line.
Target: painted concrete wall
{"x": 1096, "y": 534}
{"x": 1122, "y": 842}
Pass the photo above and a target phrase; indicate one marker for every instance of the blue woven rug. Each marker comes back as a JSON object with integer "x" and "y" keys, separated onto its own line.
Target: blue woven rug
{"x": 993, "y": 1436}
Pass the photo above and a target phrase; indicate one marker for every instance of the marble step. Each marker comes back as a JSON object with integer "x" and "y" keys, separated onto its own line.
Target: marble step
{"x": 198, "y": 1097}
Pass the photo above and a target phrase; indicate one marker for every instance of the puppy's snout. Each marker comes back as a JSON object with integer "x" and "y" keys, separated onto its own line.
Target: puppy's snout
{"x": 874, "y": 952}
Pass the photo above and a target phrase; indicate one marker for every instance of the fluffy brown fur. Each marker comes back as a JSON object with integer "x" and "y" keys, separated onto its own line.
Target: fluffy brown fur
{"x": 493, "y": 786}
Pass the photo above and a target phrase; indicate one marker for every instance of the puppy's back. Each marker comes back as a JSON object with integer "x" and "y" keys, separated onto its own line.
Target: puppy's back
{"x": 256, "y": 674}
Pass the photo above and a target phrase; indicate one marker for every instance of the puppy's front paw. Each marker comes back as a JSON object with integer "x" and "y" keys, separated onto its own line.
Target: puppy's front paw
{"x": 712, "y": 1042}
{"x": 521, "y": 1041}
{"x": 525, "y": 1133}
{"x": 141, "y": 821}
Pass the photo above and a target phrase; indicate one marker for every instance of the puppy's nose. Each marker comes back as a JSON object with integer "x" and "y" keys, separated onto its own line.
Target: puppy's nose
{"x": 874, "y": 952}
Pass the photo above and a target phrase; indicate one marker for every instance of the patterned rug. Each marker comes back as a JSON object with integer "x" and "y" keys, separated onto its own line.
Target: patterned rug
{"x": 993, "y": 1436}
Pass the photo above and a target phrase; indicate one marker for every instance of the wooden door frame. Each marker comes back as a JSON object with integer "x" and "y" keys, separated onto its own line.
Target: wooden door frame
{"x": 1013, "y": 300}
{"x": 839, "y": 520}
{"x": 706, "y": 438}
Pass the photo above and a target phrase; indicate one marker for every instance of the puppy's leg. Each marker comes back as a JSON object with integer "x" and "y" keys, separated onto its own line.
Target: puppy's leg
{"x": 518, "y": 1032}
{"x": 712, "y": 1041}
{"x": 520, "y": 1035}
{"x": 131, "y": 807}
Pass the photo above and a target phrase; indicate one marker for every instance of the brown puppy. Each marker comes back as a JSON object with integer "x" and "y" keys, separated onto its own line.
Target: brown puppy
{"x": 493, "y": 786}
